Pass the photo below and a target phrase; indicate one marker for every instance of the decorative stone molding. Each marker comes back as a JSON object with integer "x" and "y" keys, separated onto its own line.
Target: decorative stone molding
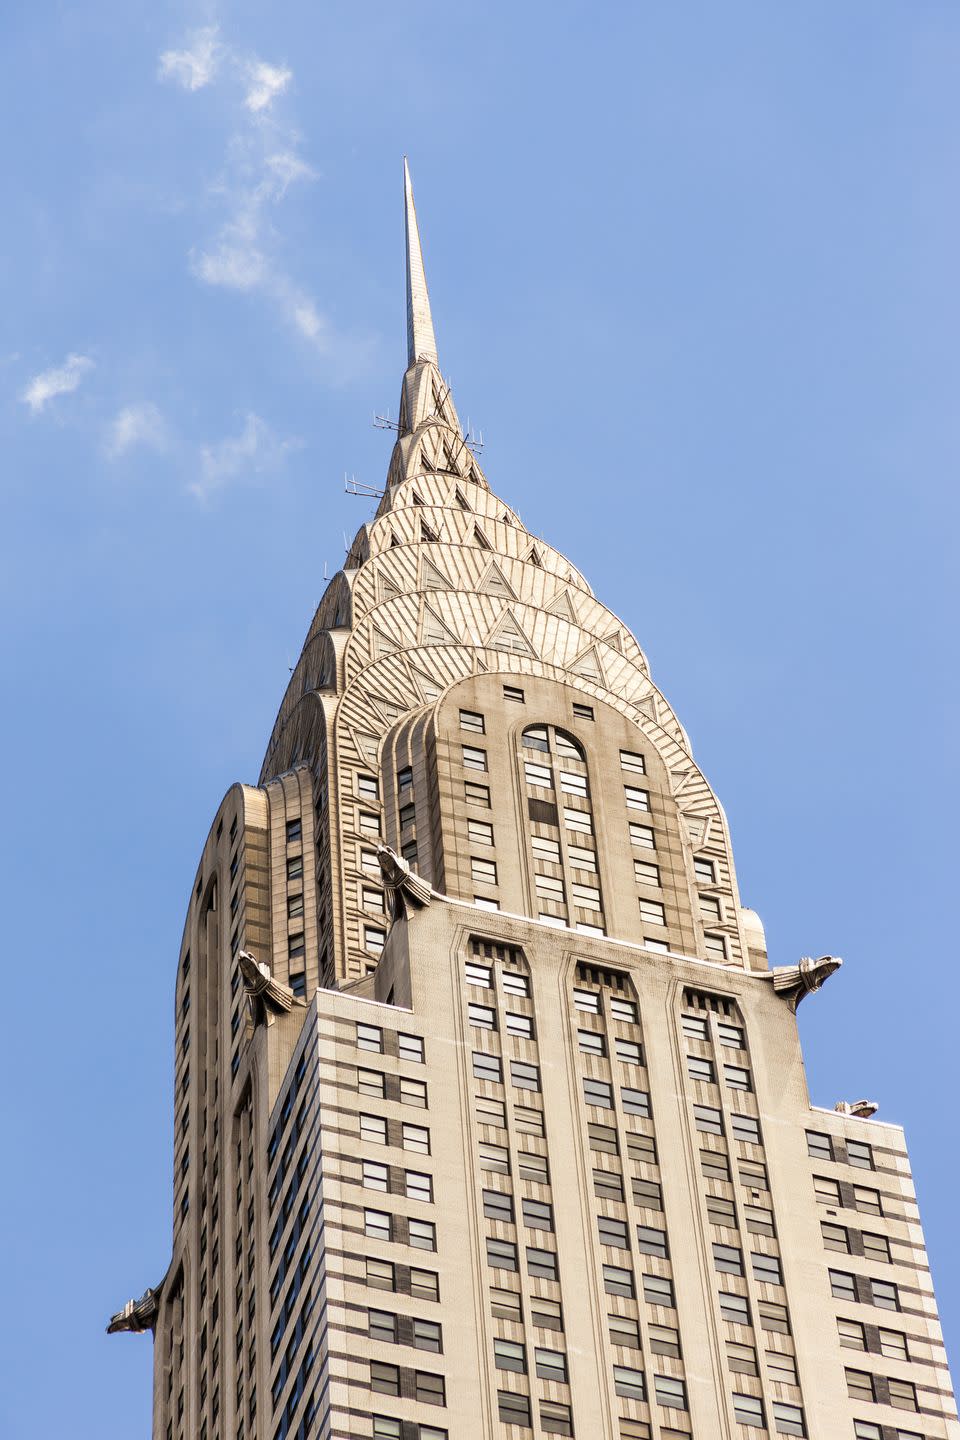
{"x": 793, "y": 982}
{"x": 137, "y": 1316}
{"x": 863, "y": 1109}
{"x": 406, "y": 890}
{"x": 268, "y": 997}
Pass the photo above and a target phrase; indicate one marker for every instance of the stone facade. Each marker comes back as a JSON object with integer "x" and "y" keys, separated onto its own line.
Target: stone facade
{"x": 490, "y": 1115}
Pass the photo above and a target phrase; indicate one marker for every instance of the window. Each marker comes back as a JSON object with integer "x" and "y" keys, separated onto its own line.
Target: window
{"x": 591, "y": 1042}
{"x": 859, "y": 1153}
{"x": 753, "y": 1174}
{"x": 730, "y": 1035}
{"x": 669, "y": 1391}
{"x": 495, "y": 1158}
{"x": 852, "y": 1334}
{"x": 893, "y": 1345}
{"x": 699, "y": 1069}
{"x": 538, "y": 775}
{"x": 820, "y": 1146}
{"x": 635, "y": 1102}
{"x": 624, "y": 1010}
{"x": 408, "y": 816}
{"x": 380, "y": 1274}
{"x": 714, "y": 1165}
{"x": 741, "y": 1359}
{"x": 652, "y": 912}
{"x": 708, "y": 1119}
{"x": 867, "y": 1200}
{"x": 373, "y": 1128}
{"x": 734, "y": 1308}
{"x": 369, "y": 823}
{"x": 636, "y": 799}
{"x": 410, "y": 1047}
{"x": 632, "y": 762}
{"x": 613, "y": 1232}
{"x": 382, "y": 1326}
{"x": 578, "y": 820}
{"x": 885, "y": 1295}
{"x": 374, "y": 939}
{"x": 427, "y": 1336}
{"x": 876, "y": 1247}
{"x": 537, "y": 1215}
{"x": 295, "y": 945}
{"x": 371, "y": 1082}
{"x": 788, "y": 1419}
{"x": 384, "y": 1379}
{"x": 624, "y": 1331}
{"x": 629, "y": 1052}
{"x": 550, "y": 1365}
{"x": 582, "y": 712}
{"x": 520, "y": 1025}
{"x": 416, "y": 1138}
{"x": 482, "y": 1017}
{"x": 418, "y": 1186}
{"x": 555, "y": 1418}
{"x": 737, "y": 1078}
{"x": 484, "y": 872}
{"x": 721, "y": 1211}
{"x": 524, "y": 1075}
{"x": 903, "y": 1395}
{"x": 748, "y": 1410}
{"x": 513, "y": 1409}
{"x": 377, "y": 1225}
{"x": 294, "y": 831}
{"x": 617, "y": 1280}
{"x": 542, "y": 1263}
{"x": 587, "y": 1000}
{"x": 375, "y": 1177}
{"x": 782, "y": 1368}
{"x": 766, "y": 1269}
{"x": 709, "y": 909}
{"x": 865, "y": 1430}
{"x": 694, "y": 1027}
{"x": 476, "y": 794}
{"x": 514, "y": 984}
{"x": 860, "y": 1385}
{"x": 598, "y": 1092}
{"x": 826, "y": 1191}
{"x": 629, "y": 1382}
{"x": 386, "y": 1429}
{"x": 546, "y": 1313}
{"x": 295, "y": 904}
{"x": 514, "y": 693}
{"x": 480, "y": 975}
{"x": 533, "y": 1167}
{"x": 664, "y": 1340}
{"x": 603, "y": 1139}
{"x": 490, "y": 1112}
{"x": 428, "y": 1389}
{"x": 487, "y": 1067}
{"x": 368, "y": 786}
{"x": 474, "y": 758}
{"x": 480, "y": 832}
{"x": 728, "y": 1259}
{"x": 550, "y": 888}
{"x": 572, "y": 784}
{"x": 497, "y": 1206}
{"x": 505, "y": 1304}
{"x": 586, "y": 897}
{"x": 582, "y": 858}
{"x": 759, "y": 1219}
{"x": 423, "y": 1234}
{"x": 425, "y": 1284}
{"x": 642, "y": 836}
{"x": 646, "y": 873}
{"x": 651, "y": 1241}
{"x": 715, "y": 946}
{"x": 470, "y": 720}
{"x": 842, "y": 1285}
{"x": 501, "y": 1254}
{"x": 744, "y": 1127}
{"x": 835, "y": 1237}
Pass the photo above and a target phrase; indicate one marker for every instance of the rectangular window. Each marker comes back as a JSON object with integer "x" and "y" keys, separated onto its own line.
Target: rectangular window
{"x": 572, "y": 784}
{"x": 586, "y": 897}
{"x": 514, "y": 984}
{"x": 741, "y": 1359}
{"x": 635, "y": 1102}
{"x": 533, "y": 1167}
{"x": 484, "y": 872}
{"x": 876, "y": 1247}
{"x": 480, "y": 831}
{"x": 788, "y": 1419}
{"x": 603, "y": 1138}
{"x": 542, "y": 1263}
{"x": 613, "y": 1232}
{"x": 546, "y": 1313}
{"x": 377, "y": 1225}
{"x": 373, "y": 1129}
{"x": 642, "y": 836}
{"x": 694, "y": 1027}
{"x": 371, "y": 1082}
{"x": 713, "y": 1165}
{"x": 759, "y": 1219}
{"x": 410, "y": 1047}
{"x": 587, "y": 1000}
{"x": 737, "y": 1077}
{"x": 470, "y": 720}
{"x": 582, "y": 858}
{"x": 369, "y": 823}
{"x": 781, "y": 1368}
{"x": 474, "y": 758}
{"x": 903, "y": 1394}
{"x": 734, "y": 1308}
{"x": 370, "y": 1037}
{"x": 538, "y": 775}
{"x": 624, "y": 1010}
{"x": 555, "y": 1418}
{"x": 624, "y": 1331}
{"x": 519, "y": 1025}
{"x": 728, "y": 1259}
{"x": 294, "y": 831}
{"x": 429, "y": 1389}
{"x": 424, "y": 1284}
{"x": 524, "y": 1076}
{"x": 404, "y": 779}
{"x": 709, "y": 909}
{"x": 418, "y": 1186}
{"x": 835, "y": 1237}
{"x": 482, "y": 1017}
{"x": 636, "y": 799}
{"x": 744, "y": 1127}
{"x": 893, "y": 1345}
{"x": 408, "y": 816}
{"x": 867, "y": 1201}
{"x": 415, "y": 1138}
{"x": 885, "y": 1295}
{"x": 490, "y": 1112}
{"x": 374, "y": 939}
{"x": 598, "y": 1092}
{"x": 380, "y": 1274}
{"x": 372, "y": 899}
{"x": 549, "y": 887}
{"x": 859, "y": 1153}
{"x": 651, "y": 1241}
{"x": 773, "y": 1316}
{"x": 480, "y": 975}
{"x": 720, "y": 1211}
{"x": 629, "y": 1382}
{"x": 577, "y": 820}
{"x": 497, "y": 1206}
{"x": 652, "y": 912}
{"x": 646, "y": 873}
{"x": 501, "y": 1254}
{"x": 550, "y": 1365}
{"x": 633, "y": 762}
{"x": 827, "y": 1191}
{"x": 381, "y": 1325}
{"x": 368, "y": 786}
{"x": 546, "y": 850}
{"x": 866, "y": 1430}
{"x": 860, "y": 1385}
{"x": 384, "y": 1379}
{"x": 423, "y": 1234}
{"x": 495, "y": 1158}
{"x": 748, "y": 1410}
{"x": 670, "y": 1392}
{"x": 427, "y": 1336}
{"x": 617, "y": 1280}
{"x": 476, "y": 794}
{"x": 513, "y": 1408}
{"x": 629, "y": 1052}
{"x": 819, "y": 1146}
{"x": 658, "y": 1290}
{"x": 730, "y": 1035}
{"x": 514, "y": 693}
{"x": 581, "y": 711}
{"x": 607, "y": 1185}
{"x": 852, "y": 1334}
{"x": 505, "y": 1304}
{"x": 842, "y": 1285}
{"x": 700, "y": 1069}
{"x": 704, "y": 871}
{"x": 664, "y": 1340}
{"x": 708, "y": 1119}
{"x": 375, "y": 1177}
{"x": 591, "y": 1042}
{"x": 715, "y": 946}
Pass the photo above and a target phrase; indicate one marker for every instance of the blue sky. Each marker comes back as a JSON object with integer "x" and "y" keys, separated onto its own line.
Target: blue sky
{"x": 693, "y": 270}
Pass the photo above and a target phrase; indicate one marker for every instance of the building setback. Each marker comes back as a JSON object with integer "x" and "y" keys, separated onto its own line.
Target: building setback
{"x": 490, "y": 1114}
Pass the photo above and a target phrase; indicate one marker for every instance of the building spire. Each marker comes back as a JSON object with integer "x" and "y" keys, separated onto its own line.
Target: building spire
{"x": 421, "y": 342}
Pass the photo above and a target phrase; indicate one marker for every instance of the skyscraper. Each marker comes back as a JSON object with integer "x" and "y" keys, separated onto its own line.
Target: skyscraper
{"x": 490, "y": 1112}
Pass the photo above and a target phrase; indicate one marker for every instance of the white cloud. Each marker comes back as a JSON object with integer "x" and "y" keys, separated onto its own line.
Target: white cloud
{"x": 288, "y": 167}
{"x": 196, "y": 66}
{"x": 255, "y": 451}
{"x": 61, "y": 380}
{"x": 132, "y": 426}
{"x": 236, "y": 260}
{"x": 266, "y": 82}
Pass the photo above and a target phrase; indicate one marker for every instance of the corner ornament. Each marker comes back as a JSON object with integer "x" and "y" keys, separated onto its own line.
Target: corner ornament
{"x": 268, "y": 997}
{"x": 794, "y": 982}
{"x": 137, "y": 1316}
{"x": 862, "y": 1109}
{"x": 406, "y": 890}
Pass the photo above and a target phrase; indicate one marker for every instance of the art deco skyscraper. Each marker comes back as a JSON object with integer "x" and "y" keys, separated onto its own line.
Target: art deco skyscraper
{"x": 490, "y": 1113}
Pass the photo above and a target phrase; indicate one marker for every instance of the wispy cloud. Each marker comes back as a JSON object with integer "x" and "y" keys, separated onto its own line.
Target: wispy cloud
{"x": 135, "y": 425}
{"x": 61, "y": 380}
{"x": 266, "y": 83}
{"x": 255, "y": 451}
{"x": 196, "y": 66}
